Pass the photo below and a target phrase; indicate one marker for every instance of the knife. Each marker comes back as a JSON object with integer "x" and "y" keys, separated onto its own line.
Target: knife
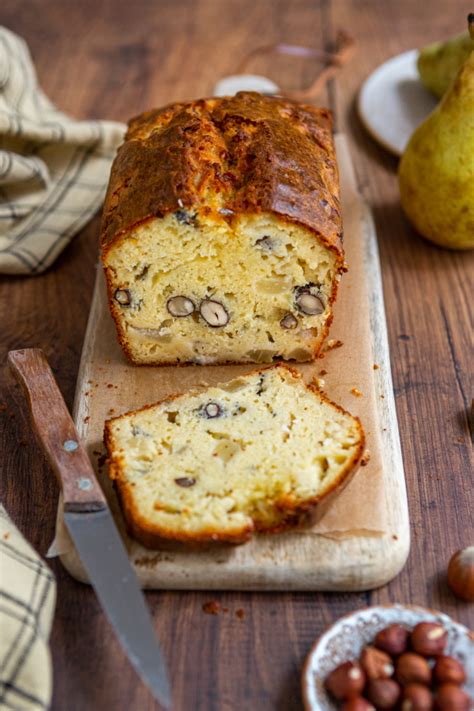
{"x": 90, "y": 523}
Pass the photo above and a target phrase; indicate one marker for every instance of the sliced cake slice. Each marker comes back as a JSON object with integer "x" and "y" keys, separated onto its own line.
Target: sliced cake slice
{"x": 254, "y": 454}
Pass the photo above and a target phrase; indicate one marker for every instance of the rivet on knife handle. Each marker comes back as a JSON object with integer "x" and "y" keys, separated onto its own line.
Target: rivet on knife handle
{"x": 56, "y": 431}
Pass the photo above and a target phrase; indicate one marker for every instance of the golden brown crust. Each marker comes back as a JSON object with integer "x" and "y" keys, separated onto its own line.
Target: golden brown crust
{"x": 293, "y": 515}
{"x": 244, "y": 154}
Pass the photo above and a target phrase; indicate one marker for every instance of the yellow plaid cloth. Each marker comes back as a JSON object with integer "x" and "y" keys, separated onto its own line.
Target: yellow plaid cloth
{"x": 27, "y": 598}
{"x": 53, "y": 170}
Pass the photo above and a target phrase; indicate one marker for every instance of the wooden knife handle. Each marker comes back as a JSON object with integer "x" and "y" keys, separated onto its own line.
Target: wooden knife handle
{"x": 56, "y": 431}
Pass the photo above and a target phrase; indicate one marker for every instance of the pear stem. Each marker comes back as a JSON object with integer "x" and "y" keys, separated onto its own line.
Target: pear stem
{"x": 470, "y": 24}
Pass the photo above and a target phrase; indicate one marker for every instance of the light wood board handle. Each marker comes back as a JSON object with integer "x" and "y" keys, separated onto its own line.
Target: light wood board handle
{"x": 56, "y": 431}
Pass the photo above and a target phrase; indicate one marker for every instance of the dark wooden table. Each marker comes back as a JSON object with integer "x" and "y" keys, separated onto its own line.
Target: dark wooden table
{"x": 106, "y": 59}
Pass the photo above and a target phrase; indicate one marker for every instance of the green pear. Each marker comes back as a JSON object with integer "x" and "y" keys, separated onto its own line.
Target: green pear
{"x": 436, "y": 171}
{"x": 438, "y": 63}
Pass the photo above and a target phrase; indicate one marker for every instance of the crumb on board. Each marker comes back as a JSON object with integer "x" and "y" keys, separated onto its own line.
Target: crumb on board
{"x": 375, "y": 366}
{"x": 110, "y": 385}
{"x": 323, "y": 372}
{"x": 86, "y": 419}
{"x": 356, "y": 392}
{"x": 395, "y": 538}
{"x": 211, "y": 607}
{"x": 240, "y": 613}
{"x": 6, "y": 535}
{"x": 332, "y": 344}
{"x": 365, "y": 458}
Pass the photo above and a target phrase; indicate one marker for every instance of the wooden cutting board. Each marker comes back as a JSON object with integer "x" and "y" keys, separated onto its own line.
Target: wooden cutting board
{"x": 363, "y": 540}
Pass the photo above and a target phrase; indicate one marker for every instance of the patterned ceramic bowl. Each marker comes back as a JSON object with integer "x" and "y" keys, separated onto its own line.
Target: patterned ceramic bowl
{"x": 346, "y": 638}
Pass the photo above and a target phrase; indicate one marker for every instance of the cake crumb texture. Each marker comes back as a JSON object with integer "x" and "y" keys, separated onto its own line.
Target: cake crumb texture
{"x": 254, "y": 454}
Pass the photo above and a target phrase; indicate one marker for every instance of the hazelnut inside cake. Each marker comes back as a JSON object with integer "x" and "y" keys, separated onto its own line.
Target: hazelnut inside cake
{"x": 249, "y": 290}
{"x": 250, "y": 455}
{"x": 222, "y": 232}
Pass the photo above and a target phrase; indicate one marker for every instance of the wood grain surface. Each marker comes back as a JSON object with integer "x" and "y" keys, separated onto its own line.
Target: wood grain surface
{"x": 111, "y": 59}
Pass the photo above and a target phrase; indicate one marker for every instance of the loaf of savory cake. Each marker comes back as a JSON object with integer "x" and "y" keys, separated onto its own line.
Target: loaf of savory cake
{"x": 254, "y": 454}
{"x": 222, "y": 234}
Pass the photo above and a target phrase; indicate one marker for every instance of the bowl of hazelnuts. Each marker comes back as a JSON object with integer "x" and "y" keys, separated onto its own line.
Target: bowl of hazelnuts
{"x": 391, "y": 657}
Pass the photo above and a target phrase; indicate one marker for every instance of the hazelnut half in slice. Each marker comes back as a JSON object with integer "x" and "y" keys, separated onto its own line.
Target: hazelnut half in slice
{"x": 213, "y": 313}
{"x": 123, "y": 297}
{"x": 180, "y": 306}
{"x": 289, "y": 321}
{"x": 185, "y": 481}
{"x": 212, "y": 410}
{"x": 310, "y": 304}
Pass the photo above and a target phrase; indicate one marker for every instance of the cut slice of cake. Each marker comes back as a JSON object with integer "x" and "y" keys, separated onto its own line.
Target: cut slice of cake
{"x": 254, "y": 454}
{"x": 222, "y": 232}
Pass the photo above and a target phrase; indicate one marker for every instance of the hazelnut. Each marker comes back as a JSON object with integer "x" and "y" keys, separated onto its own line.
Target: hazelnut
{"x": 180, "y": 306}
{"x": 213, "y": 313}
{"x": 461, "y": 574}
{"x": 346, "y": 680}
{"x": 310, "y": 304}
{"x": 289, "y": 321}
{"x": 123, "y": 297}
{"x": 265, "y": 243}
{"x": 358, "y": 703}
{"x": 429, "y": 638}
{"x": 393, "y": 640}
{"x": 450, "y": 697}
{"x": 416, "y": 697}
{"x": 412, "y": 669}
{"x": 185, "y": 481}
{"x": 212, "y": 410}
{"x": 376, "y": 664}
{"x": 383, "y": 693}
{"x": 448, "y": 670}
{"x": 186, "y": 218}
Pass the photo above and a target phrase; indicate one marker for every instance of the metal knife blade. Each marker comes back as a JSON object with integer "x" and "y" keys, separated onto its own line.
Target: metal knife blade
{"x": 90, "y": 522}
{"x": 115, "y": 583}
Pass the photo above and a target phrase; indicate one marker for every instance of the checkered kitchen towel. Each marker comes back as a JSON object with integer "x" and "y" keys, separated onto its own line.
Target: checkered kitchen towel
{"x": 53, "y": 169}
{"x": 27, "y": 597}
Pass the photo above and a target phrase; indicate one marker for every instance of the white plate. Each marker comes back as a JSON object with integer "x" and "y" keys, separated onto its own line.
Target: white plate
{"x": 346, "y": 638}
{"x": 228, "y": 86}
{"x": 393, "y": 102}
